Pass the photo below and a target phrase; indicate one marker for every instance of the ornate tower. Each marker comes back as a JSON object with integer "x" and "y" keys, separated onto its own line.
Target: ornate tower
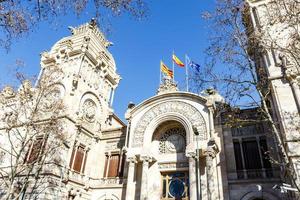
{"x": 274, "y": 45}
{"x": 86, "y": 74}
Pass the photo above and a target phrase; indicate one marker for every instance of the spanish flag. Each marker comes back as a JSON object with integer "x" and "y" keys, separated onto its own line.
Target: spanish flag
{"x": 165, "y": 69}
{"x": 177, "y": 61}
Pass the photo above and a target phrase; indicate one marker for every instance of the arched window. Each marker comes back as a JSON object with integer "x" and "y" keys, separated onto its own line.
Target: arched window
{"x": 172, "y": 140}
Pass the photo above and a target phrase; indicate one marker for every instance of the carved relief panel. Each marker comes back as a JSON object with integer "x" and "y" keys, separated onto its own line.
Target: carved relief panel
{"x": 188, "y": 111}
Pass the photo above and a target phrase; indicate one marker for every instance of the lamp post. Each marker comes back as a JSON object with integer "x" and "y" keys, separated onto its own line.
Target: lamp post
{"x": 197, "y": 167}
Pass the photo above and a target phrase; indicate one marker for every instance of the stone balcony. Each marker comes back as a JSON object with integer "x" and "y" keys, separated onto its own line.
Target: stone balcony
{"x": 112, "y": 182}
{"x": 252, "y": 174}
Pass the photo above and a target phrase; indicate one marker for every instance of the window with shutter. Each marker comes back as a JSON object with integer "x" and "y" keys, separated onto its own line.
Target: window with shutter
{"x": 35, "y": 150}
{"x": 78, "y": 159}
{"x": 113, "y": 165}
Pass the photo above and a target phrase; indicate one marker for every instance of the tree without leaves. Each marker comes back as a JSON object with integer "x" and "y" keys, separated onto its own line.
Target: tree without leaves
{"x": 20, "y": 17}
{"x": 242, "y": 80}
{"x": 32, "y": 137}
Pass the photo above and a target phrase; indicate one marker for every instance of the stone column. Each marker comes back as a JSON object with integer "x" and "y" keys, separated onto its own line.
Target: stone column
{"x": 211, "y": 119}
{"x": 192, "y": 175}
{"x": 212, "y": 189}
{"x": 107, "y": 164}
{"x": 144, "y": 181}
{"x": 130, "y": 176}
{"x": 296, "y": 90}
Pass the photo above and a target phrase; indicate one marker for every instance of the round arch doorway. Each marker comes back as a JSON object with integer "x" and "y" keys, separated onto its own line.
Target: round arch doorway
{"x": 170, "y": 139}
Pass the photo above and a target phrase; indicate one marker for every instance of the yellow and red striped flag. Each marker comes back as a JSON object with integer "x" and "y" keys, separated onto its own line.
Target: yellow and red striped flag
{"x": 170, "y": 73}
{"x": 177, "y": 60}
{"x": 165, "y": 69}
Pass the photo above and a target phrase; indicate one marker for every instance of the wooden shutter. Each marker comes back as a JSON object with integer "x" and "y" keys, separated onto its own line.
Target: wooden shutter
{"x": 113, "y": 166}
{"x": 78, "y": 158}
{"x": 84, "y": 162}
{"x": 29, "y": 146}
{"x": 72, "y": 157}
{"x": 36, "y": 149}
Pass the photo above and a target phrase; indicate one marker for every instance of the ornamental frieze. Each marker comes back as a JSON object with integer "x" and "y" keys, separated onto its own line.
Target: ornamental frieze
{"x": 173, "y": 165}
{"x": 189, "y": 111}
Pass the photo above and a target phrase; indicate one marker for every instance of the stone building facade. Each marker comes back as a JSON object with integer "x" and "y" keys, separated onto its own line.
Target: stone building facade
{"x": 273, "y": 29}
{"x": 175, "y": 144}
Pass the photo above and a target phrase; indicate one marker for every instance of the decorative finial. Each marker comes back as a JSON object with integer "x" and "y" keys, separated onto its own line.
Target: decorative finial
{"x": 168, "y": 85}
{"x": 72, "y": 29}
{"x": 93, "y": 22}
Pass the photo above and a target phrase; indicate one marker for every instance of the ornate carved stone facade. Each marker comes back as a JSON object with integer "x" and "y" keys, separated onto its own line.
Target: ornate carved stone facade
{"x": 179, "y": 107}
{"x": 174, "y": 146}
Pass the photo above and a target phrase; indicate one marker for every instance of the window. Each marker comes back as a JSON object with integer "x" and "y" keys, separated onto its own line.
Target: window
{"x": 256, "y": 18}
{"x": 175, "y": 185}
{"x": 172, "y": 141}
{"x": 35, "y": 150}
{"x": 252, "y": 160}
{"x": 78, "y": 158}
{"x": 114, "y": 165}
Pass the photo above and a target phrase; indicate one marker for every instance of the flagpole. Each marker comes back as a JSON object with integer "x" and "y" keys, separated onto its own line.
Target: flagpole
{"x": 160, "y": 73}
{"x": 186, "y": 74}
{"x": 173, "y": 67}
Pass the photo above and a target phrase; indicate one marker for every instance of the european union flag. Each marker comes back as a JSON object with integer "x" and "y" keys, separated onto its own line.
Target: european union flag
{"x": 195, "y": 66}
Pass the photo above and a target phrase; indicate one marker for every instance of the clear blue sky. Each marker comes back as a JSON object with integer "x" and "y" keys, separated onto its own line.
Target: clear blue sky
{"x": 138, "y": 46}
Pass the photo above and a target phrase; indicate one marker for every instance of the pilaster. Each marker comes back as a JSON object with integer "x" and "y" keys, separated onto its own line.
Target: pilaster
{"x": 130, "y": 178}
{"x": 212, "y": 188}
{"x": 144, "y": 182}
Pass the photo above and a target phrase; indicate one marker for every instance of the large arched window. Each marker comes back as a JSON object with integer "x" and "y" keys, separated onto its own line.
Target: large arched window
{"x": 172, "y": 137}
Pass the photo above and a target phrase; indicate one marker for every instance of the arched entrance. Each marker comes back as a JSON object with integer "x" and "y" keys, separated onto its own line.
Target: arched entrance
{"x": 169, "y": 141}
{"x": 260, "y": 195}
{"x": 166, "y": 134}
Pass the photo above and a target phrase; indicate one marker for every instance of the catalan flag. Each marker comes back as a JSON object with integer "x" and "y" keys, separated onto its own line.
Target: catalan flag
{"x": 165, "y": 69}
{"x": 170, "y": 73}
{"x": 177, "y": 61}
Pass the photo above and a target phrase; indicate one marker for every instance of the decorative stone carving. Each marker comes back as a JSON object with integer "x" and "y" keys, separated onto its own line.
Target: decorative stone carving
{"x": 173, "y": 165}
{"x": 114, "y": 145}
{"x": 51, "y": 99}
{"x": 89, "y": 110}
{"x": 168, "y": 85}
{"x": 189, "y": 111}
{"x": 84, "y": 138}
{"x": 8, "y": 92}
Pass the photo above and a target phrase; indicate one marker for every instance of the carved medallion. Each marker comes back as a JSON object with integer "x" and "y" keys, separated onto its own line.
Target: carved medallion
{"x": 89, "y": 110}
